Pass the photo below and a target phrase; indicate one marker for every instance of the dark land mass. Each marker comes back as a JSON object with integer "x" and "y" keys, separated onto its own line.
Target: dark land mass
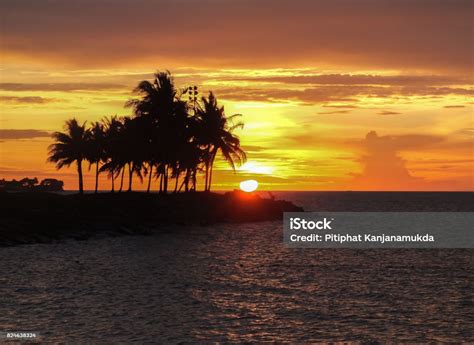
{"x": 38, "y": 217}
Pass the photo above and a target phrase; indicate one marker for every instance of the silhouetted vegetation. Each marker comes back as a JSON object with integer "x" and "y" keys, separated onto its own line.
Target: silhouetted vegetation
{"x": 31, "y": 184}
{"x": 46, "y": 217}
{"x": 171, "y": 137}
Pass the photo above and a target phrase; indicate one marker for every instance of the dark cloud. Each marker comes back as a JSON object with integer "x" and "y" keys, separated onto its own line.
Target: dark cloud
{"x": 305, "y": 96}
{"x": 361, "y": 79}
{"x": 27, "y": 100}
{"x": 244, "y": 32}
{"x": 334, "y": 93}
{"x": 454, "y": 106}
{"x": 13, "y": 134}
{"x": 387, "y": 112}
{"x": 436, "y": 91}
{"x": 341, "y": 106}
{"x": 64, "y": 87}
{"x": 334, "y": 112}
{"x": 19, "y": 173}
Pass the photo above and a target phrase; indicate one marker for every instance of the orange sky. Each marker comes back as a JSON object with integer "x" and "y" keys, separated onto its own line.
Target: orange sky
{"x": 335, "y": 95}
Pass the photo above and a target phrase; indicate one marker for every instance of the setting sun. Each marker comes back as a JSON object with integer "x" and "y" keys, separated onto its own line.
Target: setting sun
{"x": 248, "y": 185}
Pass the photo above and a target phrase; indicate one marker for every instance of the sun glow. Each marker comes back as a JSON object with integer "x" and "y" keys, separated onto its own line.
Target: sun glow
{"x": 256, "y": 168}
{"x": 248, "y": 185}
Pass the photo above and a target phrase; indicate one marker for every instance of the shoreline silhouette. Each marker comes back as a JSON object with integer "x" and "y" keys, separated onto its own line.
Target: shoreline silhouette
{"x": 39, "y": 217}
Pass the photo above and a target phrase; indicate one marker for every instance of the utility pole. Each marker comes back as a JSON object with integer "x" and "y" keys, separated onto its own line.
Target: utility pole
{"x": 193, "y": 96}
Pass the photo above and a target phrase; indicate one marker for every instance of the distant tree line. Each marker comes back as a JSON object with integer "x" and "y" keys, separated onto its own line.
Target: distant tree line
{"x": 31, "y": 184}
{"x": 172, "y": 137}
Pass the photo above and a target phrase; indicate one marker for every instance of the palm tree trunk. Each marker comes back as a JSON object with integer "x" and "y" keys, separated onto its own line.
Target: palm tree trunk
{"x": 194, "y": 179}
{"x": 79, "y": 171}
{"x": 176, "y": 184}
{"x": 210, "y": 172}
{"x": 96, "y": 177}
{"x": 210, "y": 179}
{"x": 207, "y": 176}
{"x": 113, "y": 182}
{"x": 186, "y": 180}
{"x": 121, "y": 179}
{"x": 207, "y": 160}
{"x": 149, "y": 178}
{"x": 130, "y": 175}
{"x": 165, "y": 180}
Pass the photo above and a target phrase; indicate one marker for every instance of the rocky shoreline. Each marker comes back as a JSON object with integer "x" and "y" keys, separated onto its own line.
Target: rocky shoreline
{"x": 37, "y": 217}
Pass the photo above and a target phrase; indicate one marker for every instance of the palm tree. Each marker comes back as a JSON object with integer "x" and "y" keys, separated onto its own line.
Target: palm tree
{"x": 133, "y": 149}
{"x": 96, "y": 149}
{"x": 216, "y": 135}
{"x": 159, "y": 102}
{"x": 70, "y": 147}
{"x": 166, "y": 138}
{"x": 189, "y": 162}
{"x": 113, "y": 127}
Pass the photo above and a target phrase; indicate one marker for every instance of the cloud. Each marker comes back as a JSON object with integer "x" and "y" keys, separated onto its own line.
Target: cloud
{"x": 14, "y": 134}
{"x": 386, "y": 112}
{"x": 19, "y": 173}
{"x": 27, "y": 100}
{"x": 341, "y": 106}
{"x": 253, "y": 148}
{"x": 309, "y": 87}
{"x": 334, "y": 112}
{"x": 454, "y": 106}
{"x": 383, "y": 169}
{"x": 214, "y": 33}
{"x": 401, "y": 142}
{"x": 315, "y": 78}
{"x": 64, "y": 87}
{"x": 469, "y": 131}
{"x": 333, "y": 93}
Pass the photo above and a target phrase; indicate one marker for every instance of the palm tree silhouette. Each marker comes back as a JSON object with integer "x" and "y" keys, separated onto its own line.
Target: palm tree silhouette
{"x": 113, "y": 127}
{"x": 166, "y": 138}
{"x": 96, "y": 148}
{"x": 216, "y": 135}
{"x": 159, "y": 102}
{"x": 133, "y": 151}
{"x": 70, "y": 147}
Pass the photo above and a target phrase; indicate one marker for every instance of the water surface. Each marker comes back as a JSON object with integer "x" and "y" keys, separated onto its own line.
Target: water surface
{"x": 237, "y": 282}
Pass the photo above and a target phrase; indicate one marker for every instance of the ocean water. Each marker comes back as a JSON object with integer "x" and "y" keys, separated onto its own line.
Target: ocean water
{"x": 237, "y": 283}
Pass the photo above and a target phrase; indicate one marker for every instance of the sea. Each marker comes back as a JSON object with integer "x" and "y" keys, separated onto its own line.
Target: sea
{"x": 238, "y": 283}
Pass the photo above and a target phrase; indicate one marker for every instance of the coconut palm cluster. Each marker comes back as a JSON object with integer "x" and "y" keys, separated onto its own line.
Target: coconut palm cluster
{"x": 172, "y": 137}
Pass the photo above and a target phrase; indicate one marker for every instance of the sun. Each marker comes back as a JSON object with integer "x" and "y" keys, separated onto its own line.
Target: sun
{"x": 248, "y": 185}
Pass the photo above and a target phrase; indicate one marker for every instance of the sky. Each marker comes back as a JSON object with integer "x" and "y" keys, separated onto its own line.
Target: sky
{"x": 335, "y": 95}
